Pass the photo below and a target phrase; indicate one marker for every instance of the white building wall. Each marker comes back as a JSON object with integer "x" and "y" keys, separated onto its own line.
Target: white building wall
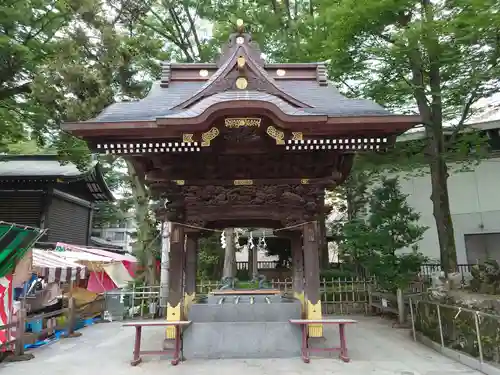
{"x": 474, "y": 200}
{"x": 119, "y": 236}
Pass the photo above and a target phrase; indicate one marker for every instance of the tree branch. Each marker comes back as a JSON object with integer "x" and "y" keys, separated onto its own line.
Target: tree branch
{"x": 461, "y": 124}
{"x": 9, "y": 92}
{"x": 183, "y": 34}
{"x": 192, "y": 27}
{"x": 42, "y": 28}
{"x": 167, "y": 32}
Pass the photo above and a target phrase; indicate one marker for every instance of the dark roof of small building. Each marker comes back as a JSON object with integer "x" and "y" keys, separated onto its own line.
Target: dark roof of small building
{"x": 102, "y": 243}
{"x": 161, "y": 102}
{"x": 48, "y": 169}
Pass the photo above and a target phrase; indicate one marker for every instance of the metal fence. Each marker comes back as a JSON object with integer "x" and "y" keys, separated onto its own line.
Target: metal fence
{"x": 428, "y": 269}
{"x": 468, "y": 331}
{"x": 138, "y": 301}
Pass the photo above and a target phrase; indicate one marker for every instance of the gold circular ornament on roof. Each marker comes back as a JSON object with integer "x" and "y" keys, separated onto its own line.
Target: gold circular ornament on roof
{"x": 241, "y": 61}
{"x": 280, "y": 72}
{"x": 239, "y": 22}
{"x": 241, "y": 83}
{"x": 240, "y": 40}
{"x": 203, "y": 73}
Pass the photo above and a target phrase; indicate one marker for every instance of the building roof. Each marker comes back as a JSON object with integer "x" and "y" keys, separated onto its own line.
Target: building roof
{"x": 107, "y": 245}
{"x": 189, "y": 96}
{"x": 486, "y": 116}
{"x": 161, "y": 102}
{"x": 48, "y": 169}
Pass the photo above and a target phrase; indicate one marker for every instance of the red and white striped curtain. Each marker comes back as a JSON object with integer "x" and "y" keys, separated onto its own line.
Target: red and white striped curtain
{"x": 6, "y": 296}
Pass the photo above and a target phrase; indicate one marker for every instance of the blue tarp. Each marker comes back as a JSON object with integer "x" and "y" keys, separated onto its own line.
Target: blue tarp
{"x": 57, "y": 334}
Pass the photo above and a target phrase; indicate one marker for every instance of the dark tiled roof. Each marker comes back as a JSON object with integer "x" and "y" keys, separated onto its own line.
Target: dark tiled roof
{"x": 101, "y": 242}
{"x": 227, "y": 96}
{"x": 34, "y": 166}
{"x": 326, "y": 100}
{"x": 214, "y": 77}
{"x": 48, "y": 167}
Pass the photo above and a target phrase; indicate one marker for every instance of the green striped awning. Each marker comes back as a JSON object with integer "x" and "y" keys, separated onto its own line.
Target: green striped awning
{"x": 15, "y": 241}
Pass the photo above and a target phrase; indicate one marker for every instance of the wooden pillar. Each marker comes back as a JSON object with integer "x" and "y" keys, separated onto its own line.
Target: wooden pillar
{"x": 312, "y": 284}
{"x": 298, "y": 268}
{"x": 175, "y": 277}
{"x": 229, "y": 269}
{"x": 250, "y": 263}
{"x": 190, "y": 267}
{"x": 255, "y": 261}
{"x": 324, "y": 261}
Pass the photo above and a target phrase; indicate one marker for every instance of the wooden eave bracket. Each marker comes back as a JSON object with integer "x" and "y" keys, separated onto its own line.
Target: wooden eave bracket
{"x": 321, "y": 76}
{"x": 166, "y": 74}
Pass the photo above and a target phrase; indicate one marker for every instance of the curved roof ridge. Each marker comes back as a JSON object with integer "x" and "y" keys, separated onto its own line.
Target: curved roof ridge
{"x": 222, "y": 69}
{"x": 218, "y": 83}
{"x": 273, "y": 82}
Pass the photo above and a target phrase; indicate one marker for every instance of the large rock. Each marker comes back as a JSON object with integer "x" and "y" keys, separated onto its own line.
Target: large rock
{"x": 475, "y": 301}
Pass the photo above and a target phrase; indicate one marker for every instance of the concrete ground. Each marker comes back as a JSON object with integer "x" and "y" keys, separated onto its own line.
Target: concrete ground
{"x": 374, "y": 347}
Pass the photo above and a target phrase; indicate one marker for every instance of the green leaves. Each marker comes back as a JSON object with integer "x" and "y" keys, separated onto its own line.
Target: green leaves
{"x": 66, "y": 60}
{"x": 210, "y": 257}
{"x": 437, "y": 58}
{"x": 382, "y": 45}
{"x": 375, "y": 240}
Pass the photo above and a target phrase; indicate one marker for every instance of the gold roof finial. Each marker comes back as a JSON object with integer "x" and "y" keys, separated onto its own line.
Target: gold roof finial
{"x": 240, "y": 25}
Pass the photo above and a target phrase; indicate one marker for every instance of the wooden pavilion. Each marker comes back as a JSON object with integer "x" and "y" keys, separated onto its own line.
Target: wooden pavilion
{"x": 243, "y": 143}
{"x": 39, "y": 191}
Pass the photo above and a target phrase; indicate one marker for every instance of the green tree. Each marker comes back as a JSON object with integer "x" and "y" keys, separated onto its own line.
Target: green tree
{"x": 28, "y": 41}
{"x": 439, "y": 58}
{"x": 210, "y": 258}
{"x": 118, "y": 180}
{"x": 350, "y": 201}
{"x": 377, "y": 239}
{"x": 283, "y": 29}
{"x": 182, "y": 27}
{"x": 67, "y": 60}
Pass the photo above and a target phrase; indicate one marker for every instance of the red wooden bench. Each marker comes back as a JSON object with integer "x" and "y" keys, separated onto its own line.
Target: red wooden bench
{"x": 157, "y": 323}
{"x": 306, "y": 350}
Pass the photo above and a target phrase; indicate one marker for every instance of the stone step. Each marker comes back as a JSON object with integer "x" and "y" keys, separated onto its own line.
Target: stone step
{"x": 258, "y": 312}
{"x": 214, "y": 340}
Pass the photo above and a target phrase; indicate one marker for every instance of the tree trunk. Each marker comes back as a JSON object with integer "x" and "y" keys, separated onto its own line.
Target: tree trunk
{"x": 441, "y": 207}
{"x": 431, "y": 110}
{"x": 229, "y": 254}
{"x": 141, "y": 203}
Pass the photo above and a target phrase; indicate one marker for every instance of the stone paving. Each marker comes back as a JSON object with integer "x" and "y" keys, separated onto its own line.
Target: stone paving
{"x": 375, "y": 348}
